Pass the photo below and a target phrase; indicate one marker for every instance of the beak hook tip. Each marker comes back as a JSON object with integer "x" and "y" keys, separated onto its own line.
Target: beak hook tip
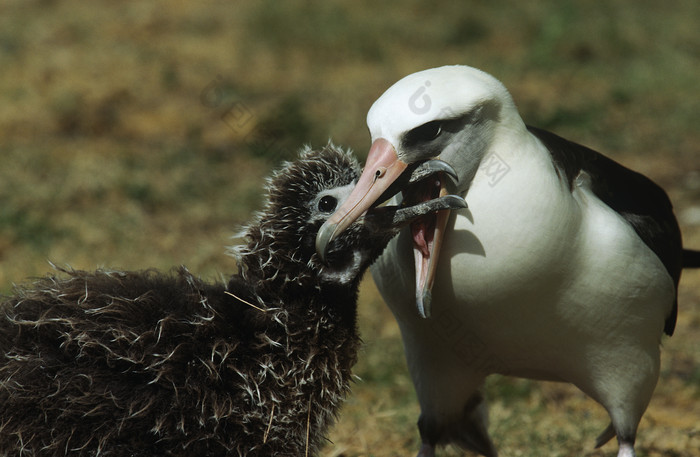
{"x": 323, "y": 238}
{"x": 424, "y": 303}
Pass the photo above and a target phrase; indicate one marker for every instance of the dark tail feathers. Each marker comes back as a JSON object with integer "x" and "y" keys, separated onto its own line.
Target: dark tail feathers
{"x": 607, "y": 435}
{"x": 691, "y": 258}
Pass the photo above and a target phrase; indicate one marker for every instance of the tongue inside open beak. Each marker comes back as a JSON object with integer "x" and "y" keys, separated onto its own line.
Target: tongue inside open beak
{"x": 427, "y": 233}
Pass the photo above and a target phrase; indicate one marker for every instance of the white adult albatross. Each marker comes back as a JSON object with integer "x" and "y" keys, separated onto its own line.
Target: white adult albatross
{"x": 564, "y": 267}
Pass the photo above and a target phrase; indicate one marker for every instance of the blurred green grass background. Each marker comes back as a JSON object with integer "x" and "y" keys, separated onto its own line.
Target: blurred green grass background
{"x": 138, "y": 134}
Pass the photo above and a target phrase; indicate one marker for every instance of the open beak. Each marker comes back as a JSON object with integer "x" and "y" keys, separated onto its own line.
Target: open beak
{"x": 427, "y": 234}
{"x": 382, "y": 169}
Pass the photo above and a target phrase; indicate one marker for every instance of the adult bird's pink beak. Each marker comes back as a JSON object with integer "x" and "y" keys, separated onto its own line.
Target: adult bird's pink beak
{"x": 382, "y": 168}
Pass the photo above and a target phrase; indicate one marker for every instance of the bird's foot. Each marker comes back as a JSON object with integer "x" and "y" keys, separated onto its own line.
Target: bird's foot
{"x": 626, "y": 450}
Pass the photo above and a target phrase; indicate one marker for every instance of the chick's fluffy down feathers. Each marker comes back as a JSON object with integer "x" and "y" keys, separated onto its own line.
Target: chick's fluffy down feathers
{"x": 137, "y": 364}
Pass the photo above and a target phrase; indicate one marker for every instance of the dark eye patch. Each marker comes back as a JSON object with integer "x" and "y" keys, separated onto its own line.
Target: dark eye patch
{"x": 424, "y": 133}
{"x": 327, "y": 204}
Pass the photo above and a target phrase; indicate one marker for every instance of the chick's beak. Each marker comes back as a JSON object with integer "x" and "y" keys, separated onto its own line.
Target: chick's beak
{"x": 382, "y": 168}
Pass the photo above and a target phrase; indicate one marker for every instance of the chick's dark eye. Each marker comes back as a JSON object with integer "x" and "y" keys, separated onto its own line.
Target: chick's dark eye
{"x": 327, "y": 204}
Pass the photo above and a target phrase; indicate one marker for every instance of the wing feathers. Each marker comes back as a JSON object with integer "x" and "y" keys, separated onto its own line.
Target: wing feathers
{"x": 640, "y": 201}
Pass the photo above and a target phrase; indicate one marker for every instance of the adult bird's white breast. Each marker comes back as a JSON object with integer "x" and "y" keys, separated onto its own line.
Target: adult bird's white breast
{"x": 527, "y": 264}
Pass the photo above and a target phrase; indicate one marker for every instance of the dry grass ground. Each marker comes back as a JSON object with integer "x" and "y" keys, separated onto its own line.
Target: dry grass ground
{"x": 136, "y": 134}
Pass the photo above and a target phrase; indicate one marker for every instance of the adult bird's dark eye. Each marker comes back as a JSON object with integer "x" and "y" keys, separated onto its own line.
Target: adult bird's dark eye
{"x": 426, "y": 132}
{"x": 327, "y": 204}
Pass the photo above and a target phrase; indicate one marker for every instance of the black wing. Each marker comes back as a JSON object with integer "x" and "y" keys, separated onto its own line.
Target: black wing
{"x": 635, "y": 197}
